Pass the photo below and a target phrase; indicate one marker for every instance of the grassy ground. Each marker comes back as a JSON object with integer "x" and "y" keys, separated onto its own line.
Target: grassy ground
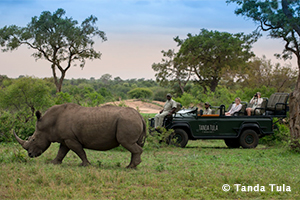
{"x": 196, "y": 172}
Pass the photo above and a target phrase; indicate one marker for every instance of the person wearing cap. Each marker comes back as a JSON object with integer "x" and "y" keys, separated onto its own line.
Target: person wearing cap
{"x": 169, "y": 109}
{"x": 256, "y": 102}
{"x": 207, "y": 110}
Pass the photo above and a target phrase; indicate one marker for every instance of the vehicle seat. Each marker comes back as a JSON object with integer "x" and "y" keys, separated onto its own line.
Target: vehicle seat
{"x": 277, "y": 104}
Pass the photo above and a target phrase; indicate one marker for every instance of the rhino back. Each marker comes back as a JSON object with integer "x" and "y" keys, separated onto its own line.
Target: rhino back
{"x": 97, "y": 128}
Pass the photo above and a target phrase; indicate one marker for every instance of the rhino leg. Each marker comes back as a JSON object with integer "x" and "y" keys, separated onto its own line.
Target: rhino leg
{"x": 75, "y": 146}
{"x": 62, "y": 152}
{"x": 136, "y": 152}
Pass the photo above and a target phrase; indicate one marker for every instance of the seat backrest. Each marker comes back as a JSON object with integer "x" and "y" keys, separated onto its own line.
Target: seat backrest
{"x": 274, "y": 98}
{"x": 243, "y": 110}
{"x": 283, "y": 97}
{"x": 277, "y": 101}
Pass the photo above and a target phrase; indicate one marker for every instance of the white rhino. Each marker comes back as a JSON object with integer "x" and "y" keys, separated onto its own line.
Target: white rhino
{"x": 98, "y": 128}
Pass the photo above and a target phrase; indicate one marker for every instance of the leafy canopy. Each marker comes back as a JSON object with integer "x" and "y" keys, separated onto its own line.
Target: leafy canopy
{"x": 58, "y": 39}
{"x": 204, "y": 57}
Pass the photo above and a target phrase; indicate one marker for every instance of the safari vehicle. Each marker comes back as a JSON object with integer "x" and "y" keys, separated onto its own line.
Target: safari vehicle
{"x": 237, "y": 130}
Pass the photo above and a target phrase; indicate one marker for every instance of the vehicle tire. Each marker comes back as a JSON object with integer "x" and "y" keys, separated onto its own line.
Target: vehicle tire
{"x": 232, "y": 143}
{"x": 249, "y": 139}
{"x": 179, "y": 138}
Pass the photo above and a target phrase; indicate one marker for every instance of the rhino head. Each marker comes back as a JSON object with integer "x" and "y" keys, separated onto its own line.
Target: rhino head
{"x": 38, "y": 142}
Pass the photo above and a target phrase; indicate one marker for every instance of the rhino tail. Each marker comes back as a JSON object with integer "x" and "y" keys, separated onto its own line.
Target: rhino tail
{"x": 142, "y": 138}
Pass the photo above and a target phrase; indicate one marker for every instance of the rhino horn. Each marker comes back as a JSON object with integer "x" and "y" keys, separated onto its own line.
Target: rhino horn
{"x": 21, "y": 142}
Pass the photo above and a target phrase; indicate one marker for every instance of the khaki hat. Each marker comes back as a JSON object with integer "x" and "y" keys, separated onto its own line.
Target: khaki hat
{"x": 206, "y": 103}
{"x": 169, "y": 95}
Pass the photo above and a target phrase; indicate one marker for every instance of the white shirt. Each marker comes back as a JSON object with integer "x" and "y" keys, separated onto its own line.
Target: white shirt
{"x": 256, "y": 101}
{"x": 169, "y": 105}
{"x": 235, "y": 108}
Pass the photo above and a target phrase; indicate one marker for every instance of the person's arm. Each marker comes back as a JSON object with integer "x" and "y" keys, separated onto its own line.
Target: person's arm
{"x": 172, "y": 111}
{"x": 252, "y": 100}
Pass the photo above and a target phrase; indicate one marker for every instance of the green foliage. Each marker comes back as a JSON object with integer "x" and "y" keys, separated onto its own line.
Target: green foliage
{"x": 25, "y": 94}
{"x": 140, "y": 93}
{"x": 63, "y": 97}
{"x": 261, "y": 72}
{"x": 94, "y": 99}
{"x": 160, "y": 93}
{"x": 204, "y": 57}
{"x": 187, "y": 100}
{"x": 281, "y": 136}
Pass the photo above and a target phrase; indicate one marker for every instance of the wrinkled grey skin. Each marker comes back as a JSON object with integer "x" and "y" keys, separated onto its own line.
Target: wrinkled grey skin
{"x": 76, "y": 128}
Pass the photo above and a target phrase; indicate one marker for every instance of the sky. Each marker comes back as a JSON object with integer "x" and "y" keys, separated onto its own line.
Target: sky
{"x": 136, "y": 30}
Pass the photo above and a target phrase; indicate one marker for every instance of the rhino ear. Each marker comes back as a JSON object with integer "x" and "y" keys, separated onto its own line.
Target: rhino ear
{"x": 38, "y": 115}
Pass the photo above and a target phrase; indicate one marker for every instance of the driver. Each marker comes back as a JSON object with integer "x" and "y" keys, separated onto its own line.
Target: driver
{"x": 207, "y": 110}
{"x": 169, "y": 109}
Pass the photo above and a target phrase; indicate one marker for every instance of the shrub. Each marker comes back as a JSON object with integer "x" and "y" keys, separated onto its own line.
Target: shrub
{"x": 160, "y": 93}
{"x": 187, "y": 100}
{"x": 140, "y": 93}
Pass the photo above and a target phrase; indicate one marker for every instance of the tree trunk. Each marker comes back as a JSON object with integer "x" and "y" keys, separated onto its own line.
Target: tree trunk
{"x": 213, "y": 84}
{"x": 58, "y": 82}
{"x": 294, "y": 104}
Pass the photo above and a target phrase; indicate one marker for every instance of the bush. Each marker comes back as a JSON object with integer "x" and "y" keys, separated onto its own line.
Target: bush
{"x": 281, "y": 135}
{"x": 160, "y": 93}
{"x": 187, "y": 100}
{"x": 140, "y": 93}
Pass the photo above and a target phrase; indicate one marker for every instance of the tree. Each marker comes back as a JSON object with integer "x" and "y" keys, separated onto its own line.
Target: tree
{"x": 25, "y": 96}
{"x": 171, "y": 72}
{"x": 281, "y": 19}
{"x": 203, "y": 58}
{"x": 58, "y": 39}
{"x": 260, "y": 71}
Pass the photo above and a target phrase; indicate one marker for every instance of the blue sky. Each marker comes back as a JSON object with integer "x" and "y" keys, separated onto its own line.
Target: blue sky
{"x": 137, "y": 31}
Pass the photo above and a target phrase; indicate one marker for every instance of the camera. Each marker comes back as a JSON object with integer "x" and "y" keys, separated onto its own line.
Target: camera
{"x": 256, "y": 95}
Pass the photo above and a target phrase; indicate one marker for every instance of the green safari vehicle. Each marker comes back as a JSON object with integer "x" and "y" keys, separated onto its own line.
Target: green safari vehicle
{"x": 237, "y": 130}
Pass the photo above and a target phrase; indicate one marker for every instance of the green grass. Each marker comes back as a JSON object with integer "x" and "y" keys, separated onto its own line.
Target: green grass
{"x": 195, "y": 172}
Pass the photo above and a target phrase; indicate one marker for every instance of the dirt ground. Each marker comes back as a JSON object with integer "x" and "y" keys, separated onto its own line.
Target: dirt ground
{"x": 144, "y": 107}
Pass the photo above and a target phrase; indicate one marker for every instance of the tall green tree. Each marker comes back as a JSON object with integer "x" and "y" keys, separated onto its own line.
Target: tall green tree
{"x": 281, "y": 19}
{"x": 56, "y": 38}
{"x": 204, "y": 57}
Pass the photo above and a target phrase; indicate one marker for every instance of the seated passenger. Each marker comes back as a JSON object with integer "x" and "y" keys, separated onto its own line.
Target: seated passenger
{"x": 256, "y": 102}
{"x": 169, "y": 109}
{"x": 207, "y": 110}
{"x": 235, "y": 107}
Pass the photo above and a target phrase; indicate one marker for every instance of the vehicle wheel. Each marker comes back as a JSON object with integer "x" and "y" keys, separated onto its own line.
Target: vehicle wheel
{"x": 249, "y": 139}
{"x": 179, "y": 138}
{"x": 232, "y": 143}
